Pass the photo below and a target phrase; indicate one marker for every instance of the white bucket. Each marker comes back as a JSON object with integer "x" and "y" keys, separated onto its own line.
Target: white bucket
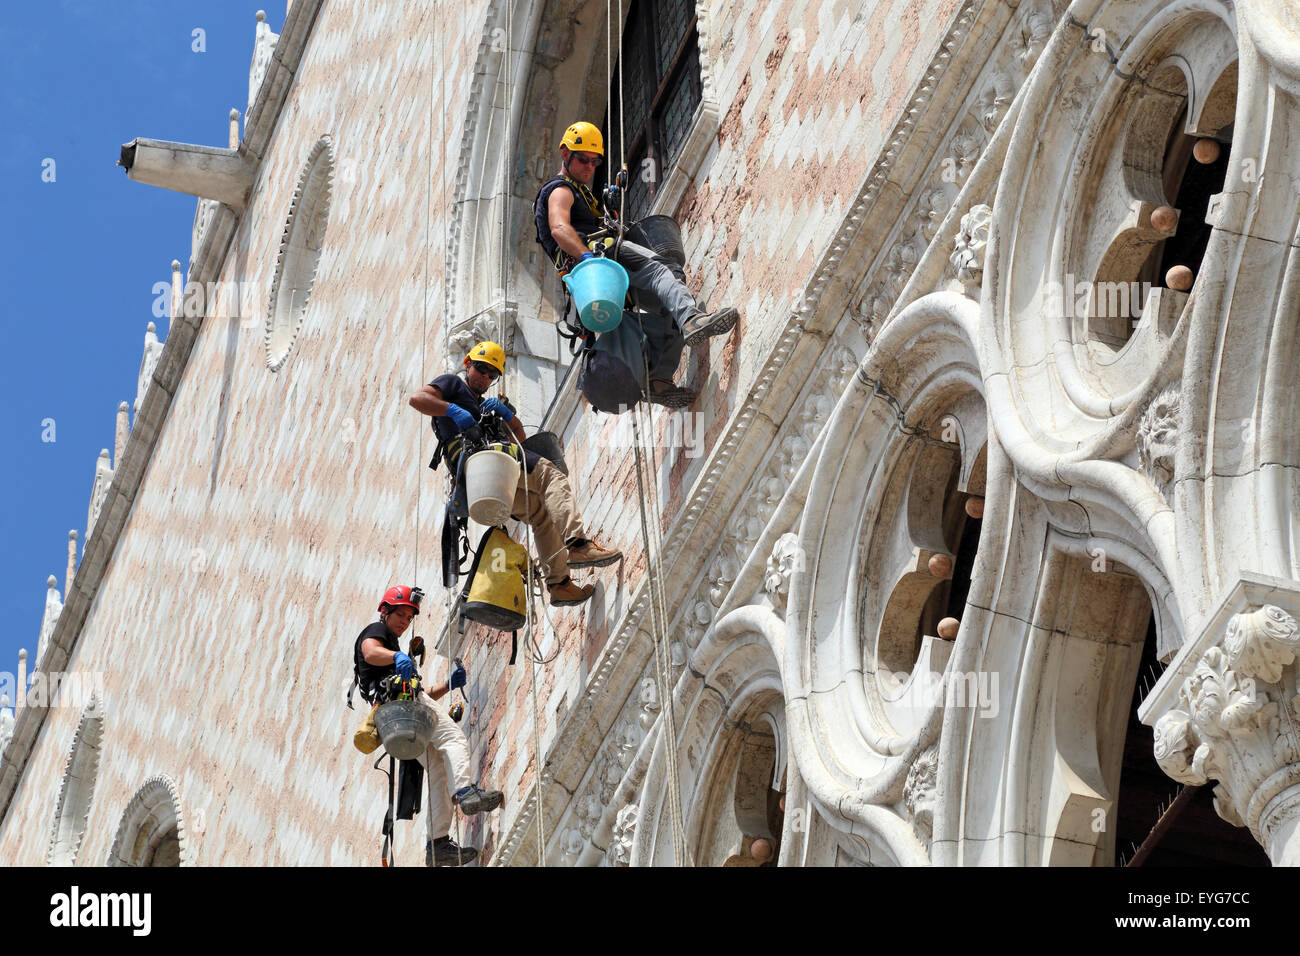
{"x": 491, "y": 477}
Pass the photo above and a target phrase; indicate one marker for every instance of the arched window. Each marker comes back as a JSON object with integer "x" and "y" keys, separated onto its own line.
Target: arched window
{"x": 152, "y": 832}
{"x": 78, "y": 787}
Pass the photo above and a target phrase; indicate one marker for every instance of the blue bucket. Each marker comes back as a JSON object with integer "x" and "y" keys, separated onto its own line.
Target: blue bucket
{"x": 598, "y": 287}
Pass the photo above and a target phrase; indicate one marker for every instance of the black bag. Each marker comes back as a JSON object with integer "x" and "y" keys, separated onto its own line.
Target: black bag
{"x": 612, "y": 377}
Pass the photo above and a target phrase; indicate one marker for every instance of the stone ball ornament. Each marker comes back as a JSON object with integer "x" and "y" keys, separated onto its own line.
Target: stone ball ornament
{"x": 1206, "y": 151}
{"x": 761, "y": 850}
{"x": 940, "y": 566}
{"x": 975, "y": 506}
{"x": 1164, "y": 218}
{"x": 948, "y": 628}
{"x": 1180, "y": 278}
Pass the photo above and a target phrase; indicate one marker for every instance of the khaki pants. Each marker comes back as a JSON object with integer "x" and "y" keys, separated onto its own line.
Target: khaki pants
{"x": 446, "y": 766}
{"x": 547, "y": 505}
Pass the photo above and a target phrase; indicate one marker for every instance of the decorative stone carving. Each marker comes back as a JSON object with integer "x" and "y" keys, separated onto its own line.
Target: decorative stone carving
{"x": 1234, "y": 722}
{"x": 98, "y": 491}
{"x": 994, "y": 100}
{"x": 148, "y": 362}
{"x": 589, "y": 810}
{"x": 934, "y": 208}
{"x": 264, "y": 42}
{"x": 53, "y": 608}
{"x": 301, "y": 246}
{"x": 571, "y": 844}
{"x": 649, "y": 698}
{"x": 203, "y": 213}
{"x": 465, "y": 338}
{"x": 6, "y": 722}
{"x": 900, "y": 264}
{"x": 972, "y": 242}
{"x": 78, "y": 788}
{"x": 786, "y": 556}
{"x": 619, "y": 852}
{"x": 918, "y": 792}
{"x": 152, "y": 831}
{"x": 1157, "y": 438}
{"x": 1034, "y": 34}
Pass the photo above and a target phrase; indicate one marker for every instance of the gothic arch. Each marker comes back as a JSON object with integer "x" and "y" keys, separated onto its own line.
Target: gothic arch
{"x": 856, "y": 728}
{"x": 731, "y": 745}
{"x": 152, "y": 831}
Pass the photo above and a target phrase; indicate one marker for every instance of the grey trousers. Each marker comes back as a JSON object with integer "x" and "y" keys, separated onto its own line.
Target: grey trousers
{"x": 659, "y": 288}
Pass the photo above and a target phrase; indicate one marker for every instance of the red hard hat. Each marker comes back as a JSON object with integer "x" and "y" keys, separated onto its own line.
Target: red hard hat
{"x": 399, "y": 595}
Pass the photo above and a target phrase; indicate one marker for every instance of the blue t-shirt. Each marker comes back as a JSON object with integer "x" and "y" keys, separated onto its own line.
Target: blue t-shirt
{"x": 455, "y": 391}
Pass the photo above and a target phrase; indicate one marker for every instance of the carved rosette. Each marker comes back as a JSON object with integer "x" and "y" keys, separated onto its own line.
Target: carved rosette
{"x": 1235, "y": 722}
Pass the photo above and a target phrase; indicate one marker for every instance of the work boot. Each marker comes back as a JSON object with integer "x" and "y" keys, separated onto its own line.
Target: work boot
{"x": 589, "y": 554}
{"x": 473, "y": 800}
{"x": 568, "y": 594}
{"x": 669, "y": 395}
{"x": 447, "y": 853}
{"x": 699, "y": 327}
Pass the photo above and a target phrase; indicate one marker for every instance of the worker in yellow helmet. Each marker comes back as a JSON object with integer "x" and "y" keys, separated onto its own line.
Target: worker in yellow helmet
{"x": 566, "y": 212}
{"x": 543, "y": 497}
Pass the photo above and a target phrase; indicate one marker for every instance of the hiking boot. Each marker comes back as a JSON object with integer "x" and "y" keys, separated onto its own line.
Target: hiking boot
{"x": 444, "y": 852}
{"x": 591, "y": 555}
{"x": 473, "y": 800}
{"x": 699, "y": 327}
{"x": 669, "y": 395}
{"x": 568, "y": 594}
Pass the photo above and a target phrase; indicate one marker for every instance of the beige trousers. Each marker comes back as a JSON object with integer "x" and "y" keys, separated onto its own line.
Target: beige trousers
{"x": 446, "y": 766}
{"x": 547, "y": 504}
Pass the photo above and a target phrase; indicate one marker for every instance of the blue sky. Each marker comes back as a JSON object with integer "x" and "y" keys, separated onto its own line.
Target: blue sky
{"x": 83, "y": 252}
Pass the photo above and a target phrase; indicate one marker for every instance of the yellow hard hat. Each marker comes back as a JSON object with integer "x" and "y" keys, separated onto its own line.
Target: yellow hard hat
{"x": 489, "y": 353}
{"x": 584, "y": 137}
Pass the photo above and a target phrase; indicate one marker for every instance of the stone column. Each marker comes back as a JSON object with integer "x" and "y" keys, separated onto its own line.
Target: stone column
{"x": 1228, "y": 711}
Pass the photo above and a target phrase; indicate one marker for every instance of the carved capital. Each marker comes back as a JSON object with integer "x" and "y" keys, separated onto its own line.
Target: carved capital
{"x": 1234, "y": 721}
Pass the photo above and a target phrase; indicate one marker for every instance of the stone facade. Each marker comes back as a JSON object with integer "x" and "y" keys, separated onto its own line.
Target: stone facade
{"x": 913, "y": 421}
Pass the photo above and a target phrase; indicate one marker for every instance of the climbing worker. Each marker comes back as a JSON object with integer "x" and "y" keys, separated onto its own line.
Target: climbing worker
{"x": 377, "y": 654}
{"x": 566, "y": 212}
{"x": 543, "y": 497}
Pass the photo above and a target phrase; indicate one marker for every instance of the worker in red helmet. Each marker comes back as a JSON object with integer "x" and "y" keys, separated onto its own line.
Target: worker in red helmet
{"x": 377, "y": 654}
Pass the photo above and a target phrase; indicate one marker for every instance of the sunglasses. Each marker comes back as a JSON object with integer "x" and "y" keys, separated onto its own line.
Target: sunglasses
{"x": 587, "y": 160}
{"x": 487, "y": 370}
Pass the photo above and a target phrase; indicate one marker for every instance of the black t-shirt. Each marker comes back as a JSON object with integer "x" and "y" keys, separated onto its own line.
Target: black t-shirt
{"x": 369, "y": 675}
{"x": 581, "y": 217}
{"x": 455, "y": 391}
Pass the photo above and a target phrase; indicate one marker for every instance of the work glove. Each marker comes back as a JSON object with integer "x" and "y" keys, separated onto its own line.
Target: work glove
{"x": 457, "y": 678}
{"x": 493, "y": 405}
{"x": 405, "y": 666}
{"x": 463, "y": 419}
{"x": 586, "y": 255}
